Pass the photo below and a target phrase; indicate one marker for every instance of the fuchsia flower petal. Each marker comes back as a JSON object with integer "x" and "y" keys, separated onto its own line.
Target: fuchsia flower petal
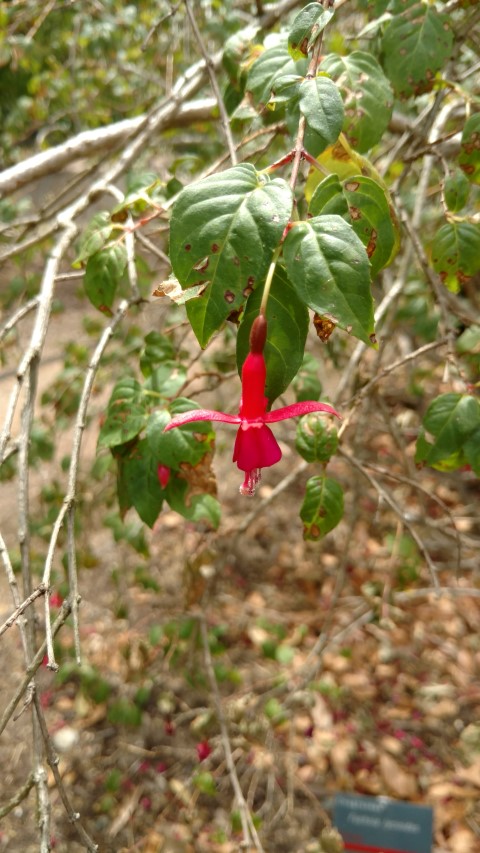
{"x": 201, "y": 415}
{"x": 256, "y": 447}
{"x": 298, "y": 409}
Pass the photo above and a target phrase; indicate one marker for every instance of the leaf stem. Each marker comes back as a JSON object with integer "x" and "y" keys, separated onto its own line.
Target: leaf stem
{"x": 269, "y": 279}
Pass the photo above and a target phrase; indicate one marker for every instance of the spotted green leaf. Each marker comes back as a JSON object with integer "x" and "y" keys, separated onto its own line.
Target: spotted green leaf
{"x": 320, "y": 102}
{"x": 126, "y": 413}
{"x": 187, "y": 444}
{"x": 328, "y": 198}
{"x": 306, "y": 384}
{"x": 457, "y": 190}
{"x": 449, "y": 423}
{"x": 367, "y": 96}
{"x": 322, "y": 508}
{"x": 329, "y": 267}
{"x": 306, "y": 28}
{"x": 469, "y": 157}
{"x": 367, "y": 207}
{"x": 415, "y": 45}
{"x": 275, "y": 62}
{"x": 95, "y": 236}
{"x": 223, "y": 232}
{"x": 471, "y": 449}
{"x": 316, "y": 440}
{"x": 200, "y": 508}
{"x": 102, "y": 275}
{"x": 138, "y": 483}
{"x": 287, "y": 318}
{"x": 456, "y": 253}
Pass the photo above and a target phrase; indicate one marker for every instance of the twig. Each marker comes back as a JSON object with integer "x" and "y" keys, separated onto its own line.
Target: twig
{"x": 248, "y": 827}
{"x": 91, "y": 142}
{"x": 210, "y": 66}
{"x": 431, "y": 495}
{"x": 21, "y": 795}
{"x": 385, "y": 371}
{"x": 52, "y": 759}
{"x": 67, "y": 509}
{"x": 398, "y": 511}
{"x": 17, "y": 316}
{"x": 40, "y": 590}
{"x": 31, "y": 669}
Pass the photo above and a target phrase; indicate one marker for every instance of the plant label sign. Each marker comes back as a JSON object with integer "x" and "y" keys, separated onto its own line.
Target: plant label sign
{"x": 382, "y": 825}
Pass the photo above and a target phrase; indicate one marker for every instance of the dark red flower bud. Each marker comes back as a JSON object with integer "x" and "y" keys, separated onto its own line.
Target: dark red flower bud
{"x": 258, "y": 334}
{"x": 203, "y": 750}
{"x": 163, "y": 475}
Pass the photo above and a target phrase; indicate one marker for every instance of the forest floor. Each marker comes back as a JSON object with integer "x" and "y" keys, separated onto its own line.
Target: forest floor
{"x": 338, "y": 669}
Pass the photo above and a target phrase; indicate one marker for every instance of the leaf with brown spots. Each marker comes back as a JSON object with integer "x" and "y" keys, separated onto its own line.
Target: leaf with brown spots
{"x": 416, "y": 45}
{"x": 366, "y": 205}
{"x": 456, "y": 253}
{"x": 231, "y": 223}
{"x": 367, "y": 96}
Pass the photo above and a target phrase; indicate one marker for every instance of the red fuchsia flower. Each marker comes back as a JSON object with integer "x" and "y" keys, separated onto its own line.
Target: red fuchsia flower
{"x": 255, "y": 445}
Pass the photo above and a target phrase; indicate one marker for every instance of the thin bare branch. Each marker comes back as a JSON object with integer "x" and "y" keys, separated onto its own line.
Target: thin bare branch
{"x": 210, "y": 65}
{"x": 39, "y": 591}
{"x": 18, "y": 798}
{"x": 250, "y": 834}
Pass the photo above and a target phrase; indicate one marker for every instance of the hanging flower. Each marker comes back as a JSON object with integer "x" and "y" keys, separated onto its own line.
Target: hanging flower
{"x": 255, "y": 445}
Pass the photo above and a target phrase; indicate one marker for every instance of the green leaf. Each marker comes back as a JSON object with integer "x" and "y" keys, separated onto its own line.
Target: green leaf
{"x": 329, "y": 267}
{"x": 102, "y": 274}
{"x": 126, "y": 413}
{"x": 270, "y": 65}
{"x": 204, "y": 781}
{"x": 186, "y": 444}
{"x": 287, "y": 319}
{"x": 372, "y": 219}
{"x": 322, "y": 508}
{"x": 468, "y": 344}
{"x": 275, "y": 711}
{"x": 472, "y": 451}
{"x": 416, "y": 45}
{"x": 224, "y": 230}
{"x": 123, "y": 712}
{"x": 167, "y": 380}
{"x": 367, "y": 96}
{"x": 457, "y": 190}
{"x": 158, "y": 349}
{"x": 316, "y": 440}
{"x": 456, "y": 253}
{"x": 199, "y": 508}
{"x": 95, "y": 236}
{"x": 450, "y": 420}
{"x": 366, "y": 206}
{"x": 469, "y": 157}
{"x": 306, "y": 384}
{"x": 321, "y": 104}
{"x": 306, "y": 28}
{"x": 138, "y": 483}
{"x": 328, "y": 198}
{"x": 235, "y": 51}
